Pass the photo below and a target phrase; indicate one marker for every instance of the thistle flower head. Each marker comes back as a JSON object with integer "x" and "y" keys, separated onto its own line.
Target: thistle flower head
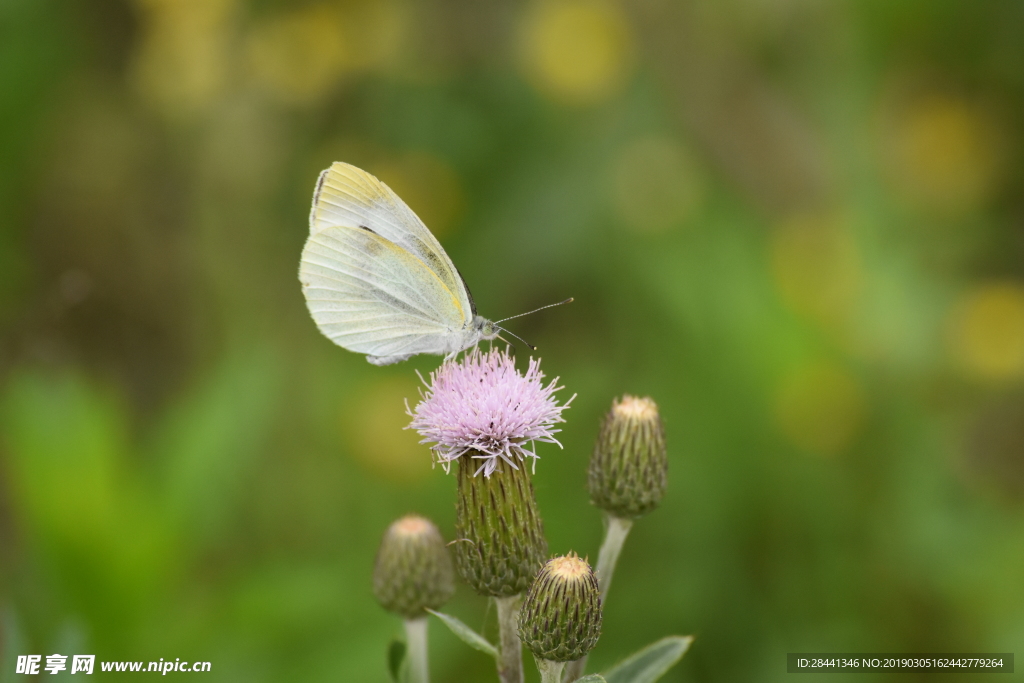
{"x": 561, "y": 616}
{"x": 484, "y": 405}
{"x": 629, "y": 469}
{"x": 413, "y": 571}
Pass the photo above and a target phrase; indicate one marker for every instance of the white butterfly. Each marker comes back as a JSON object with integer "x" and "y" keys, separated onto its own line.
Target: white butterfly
{"x": 376, "y": 281}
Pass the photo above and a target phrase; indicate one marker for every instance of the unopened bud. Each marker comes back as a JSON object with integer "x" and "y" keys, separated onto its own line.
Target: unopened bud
{"x": 629, "y": 468}
{"x": 413, "y": 570}
{"x": 501, "y": 542}
{"x": 560, "y": 619}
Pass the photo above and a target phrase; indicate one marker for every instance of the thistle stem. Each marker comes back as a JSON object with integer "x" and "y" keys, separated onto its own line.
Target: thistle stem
{"x": 616, "y": 530}
{"x": 614, "y": 536}
{"x": 416, "y": 641}
{"x": 550, "y": 672}
{"x": 510, "y": 650}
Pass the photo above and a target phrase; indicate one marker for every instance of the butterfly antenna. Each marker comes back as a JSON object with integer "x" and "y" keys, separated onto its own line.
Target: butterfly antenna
{"x": 567, "y": 301}
{"x": 531, "y": 346}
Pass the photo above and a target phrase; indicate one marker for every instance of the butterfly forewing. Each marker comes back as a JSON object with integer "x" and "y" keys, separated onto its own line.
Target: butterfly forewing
{"x": 350, "y": 197}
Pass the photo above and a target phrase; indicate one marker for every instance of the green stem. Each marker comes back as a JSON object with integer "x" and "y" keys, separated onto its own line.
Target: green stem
{"x": 614, "y": 537}
{"x": 510, "y": 650}
{"x": 416, "y": 641}
{"x": 616, "y": 530}
{"x": 550, "y": 672}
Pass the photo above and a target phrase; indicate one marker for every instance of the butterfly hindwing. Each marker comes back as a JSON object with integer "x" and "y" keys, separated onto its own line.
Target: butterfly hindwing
{"x": 370, "y": 295}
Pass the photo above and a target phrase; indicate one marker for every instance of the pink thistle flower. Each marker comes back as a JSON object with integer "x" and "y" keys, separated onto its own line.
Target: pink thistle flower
{"x": 483, "y": 404}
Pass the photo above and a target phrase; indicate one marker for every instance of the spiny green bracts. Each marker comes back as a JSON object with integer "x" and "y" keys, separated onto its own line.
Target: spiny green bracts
{"x": 413, "y": 571}
{"x": 561, "y": 617}
{"x": 629, "y": 468}
{"x": 500, "y": 544}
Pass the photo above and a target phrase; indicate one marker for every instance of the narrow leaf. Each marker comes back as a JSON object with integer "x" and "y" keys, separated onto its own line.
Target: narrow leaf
{"x": 592, "y": 678}
{"x": 396, "y": 657}
{"x": 650, "y": 663}
{"x": 466, "y": 634}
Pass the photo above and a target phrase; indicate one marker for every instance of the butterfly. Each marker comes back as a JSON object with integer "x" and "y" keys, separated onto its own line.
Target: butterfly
{"x": 376, "y": 280}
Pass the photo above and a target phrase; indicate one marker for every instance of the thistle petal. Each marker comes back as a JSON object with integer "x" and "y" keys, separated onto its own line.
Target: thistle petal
{"x": 482, "y": 403}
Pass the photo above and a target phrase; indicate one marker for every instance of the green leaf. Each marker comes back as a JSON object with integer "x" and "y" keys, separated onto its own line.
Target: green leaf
{"x": 592, "y": 678}
{"x": 468, "y": 635}
{"x": 650, "y": 663}
{"x": 396, "y": 657}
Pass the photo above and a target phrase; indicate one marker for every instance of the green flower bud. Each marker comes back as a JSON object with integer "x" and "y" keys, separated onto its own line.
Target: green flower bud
{"x": 629, "y": 468}
{"x": 501, "y": 542}
{"x": 561, "y": 617}
{"x": 413, "y": 570}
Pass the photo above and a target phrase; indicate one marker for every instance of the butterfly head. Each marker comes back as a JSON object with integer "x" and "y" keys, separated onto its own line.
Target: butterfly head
{"x": 487, "y": 329}
{"x": 491, "y": 330}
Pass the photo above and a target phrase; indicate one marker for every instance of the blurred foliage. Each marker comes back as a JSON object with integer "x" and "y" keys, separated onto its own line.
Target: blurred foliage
{"x": 797, "y": 225}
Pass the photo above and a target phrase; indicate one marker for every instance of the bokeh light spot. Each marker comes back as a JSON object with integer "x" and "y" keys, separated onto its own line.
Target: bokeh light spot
{"x": 299, "y": 56}
{"x": 429, "y": 185}
{"x": 183, "y": 58}
{"x": 577, "y": 51}
{"x": 820, "y": 408}
{"x": 943, "y": 154}
{"x": 374, "y": 427}
{"x": 655, "y": 185}
{"x": 816, "y": 267}
{"x": 986, "y": 332}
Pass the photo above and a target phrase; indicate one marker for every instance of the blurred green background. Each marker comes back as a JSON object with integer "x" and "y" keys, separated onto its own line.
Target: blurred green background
{"x": 798, "y": 225}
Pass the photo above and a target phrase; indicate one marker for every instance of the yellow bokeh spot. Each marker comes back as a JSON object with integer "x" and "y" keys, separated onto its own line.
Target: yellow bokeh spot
{"x": 577, "y": 51}
{"x": 655, "y": 185}
{"x": 943, "y": 154}
{"x": 428, "y": 185}
{"x": 820, "y": 408}
{"x": 377, "y": 31}
{"x": 183, "y": 59}
{"x": 986, "y": 331}
{"x": 374, "y": 429}
{"x": 816, "y": 267}
{"x": 299, "y": 57}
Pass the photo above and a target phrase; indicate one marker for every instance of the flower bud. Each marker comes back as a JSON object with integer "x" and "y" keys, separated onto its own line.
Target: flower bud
{"x": 629, "y": 468}
{"x": 561, "y": 617}
{"x": 501, "y": 542}
{"x": 413, "y": 570}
